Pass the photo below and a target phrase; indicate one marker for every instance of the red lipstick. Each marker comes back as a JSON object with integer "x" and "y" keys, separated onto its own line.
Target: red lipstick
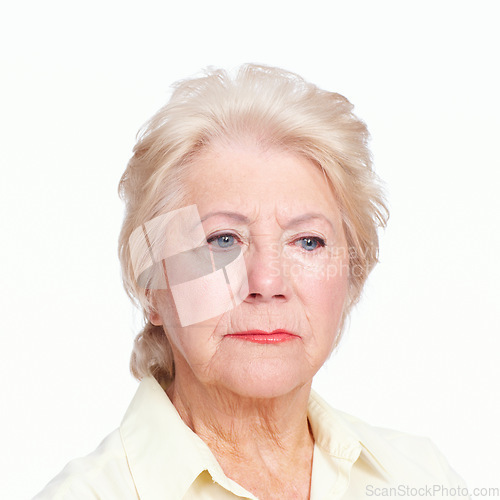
{"x": 263, "y": 337}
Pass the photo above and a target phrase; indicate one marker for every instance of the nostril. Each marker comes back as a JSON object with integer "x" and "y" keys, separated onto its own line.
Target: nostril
{"x": 254, "y": 296}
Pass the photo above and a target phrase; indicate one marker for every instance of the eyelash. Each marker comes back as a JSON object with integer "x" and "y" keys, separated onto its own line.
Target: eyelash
{"x": 320, "y": 241}
{"x": 216, "y": 236}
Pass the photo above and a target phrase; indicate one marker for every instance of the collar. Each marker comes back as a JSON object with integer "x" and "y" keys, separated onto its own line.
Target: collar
{"x": 152, "y": 421}
{"x": 163, "y": 453}
{"x": 346, "y": 437}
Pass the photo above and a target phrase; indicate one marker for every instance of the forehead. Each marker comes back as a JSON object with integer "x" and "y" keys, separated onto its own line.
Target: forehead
{"x": 254, "y": 180}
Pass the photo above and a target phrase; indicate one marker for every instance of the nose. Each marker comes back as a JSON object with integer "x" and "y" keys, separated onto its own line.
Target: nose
{"x": 266, "y": 278}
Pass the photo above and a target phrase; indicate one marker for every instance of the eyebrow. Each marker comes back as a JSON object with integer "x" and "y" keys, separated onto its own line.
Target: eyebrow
{"x": 295, "y": 221}
{"x": 232, "y": 215}
{"x": 308, "y": 217}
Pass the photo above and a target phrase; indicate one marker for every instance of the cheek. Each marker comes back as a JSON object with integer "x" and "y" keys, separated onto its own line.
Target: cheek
{"x": 195, "y": 343}
{"x": 322, "y": 296}
{"x": 206, "y": 284}
{"x": 322, "y": 288}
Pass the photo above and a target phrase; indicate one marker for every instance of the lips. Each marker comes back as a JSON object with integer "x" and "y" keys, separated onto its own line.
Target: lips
{"x": 263, "y": 337}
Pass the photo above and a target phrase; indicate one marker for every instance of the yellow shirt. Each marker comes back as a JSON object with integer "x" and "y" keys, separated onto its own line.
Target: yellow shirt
{"x": 155, "y": 456}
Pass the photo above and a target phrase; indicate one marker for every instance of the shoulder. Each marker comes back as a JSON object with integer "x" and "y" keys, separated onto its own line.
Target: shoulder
{"x": 103, "y": 473}
{"x": 408, "y": 455}
{"x": 406, "y": 458}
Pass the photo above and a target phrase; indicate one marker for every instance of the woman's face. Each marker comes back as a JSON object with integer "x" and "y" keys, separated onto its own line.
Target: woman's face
{"x": 280, "y": 211}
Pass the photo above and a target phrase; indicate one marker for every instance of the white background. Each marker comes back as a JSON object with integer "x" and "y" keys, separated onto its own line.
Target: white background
{"x": 78, "y": 79}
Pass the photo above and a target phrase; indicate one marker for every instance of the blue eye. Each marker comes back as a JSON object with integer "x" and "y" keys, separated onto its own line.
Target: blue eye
{"x": 222, "y": 240}
{"x": 310, "y": 243}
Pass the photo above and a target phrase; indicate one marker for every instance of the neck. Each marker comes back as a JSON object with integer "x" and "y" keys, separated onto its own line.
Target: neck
{"x": 248, "y": 434}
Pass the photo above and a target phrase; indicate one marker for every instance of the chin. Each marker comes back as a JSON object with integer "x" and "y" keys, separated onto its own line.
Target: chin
{"x": 266, "y": 379}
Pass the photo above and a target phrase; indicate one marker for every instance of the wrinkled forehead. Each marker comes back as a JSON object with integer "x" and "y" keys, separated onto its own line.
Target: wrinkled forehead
{"x": 252, "y": 180}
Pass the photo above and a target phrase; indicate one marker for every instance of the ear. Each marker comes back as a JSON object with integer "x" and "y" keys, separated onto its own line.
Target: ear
{"x": 153, "y": 315}
{"x": 155, "y": 319}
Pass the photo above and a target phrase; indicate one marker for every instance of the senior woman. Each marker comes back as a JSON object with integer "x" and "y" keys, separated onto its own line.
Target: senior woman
{"x": 251, "y": 226}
